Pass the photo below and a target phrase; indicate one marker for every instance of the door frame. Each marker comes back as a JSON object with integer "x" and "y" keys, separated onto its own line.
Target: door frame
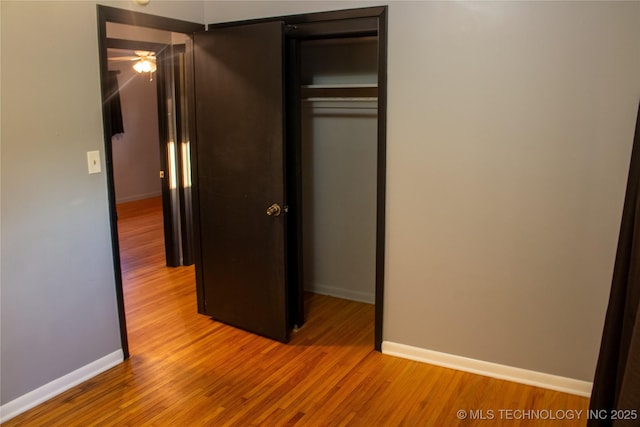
{"x": 110, "y": 14}
{"x": 343, "y": 23}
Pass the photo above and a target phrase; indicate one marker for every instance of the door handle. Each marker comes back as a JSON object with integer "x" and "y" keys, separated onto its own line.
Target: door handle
{"x": 274, "y": 210}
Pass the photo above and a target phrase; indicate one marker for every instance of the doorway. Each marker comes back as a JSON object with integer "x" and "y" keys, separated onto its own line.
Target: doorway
{"x": 135, "y": 148}
{"x": 309, "y": 26}
{"x": 162, "y": 39}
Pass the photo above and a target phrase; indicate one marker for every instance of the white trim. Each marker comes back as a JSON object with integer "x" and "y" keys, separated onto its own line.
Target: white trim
{"x": 489, "y": 369}
{"x": 367, "y": 297}
{"x": 55, "y": 387}
{"x": 136, "y": 197}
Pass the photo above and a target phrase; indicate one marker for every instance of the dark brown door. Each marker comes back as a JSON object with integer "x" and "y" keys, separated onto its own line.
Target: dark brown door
{"x": 239, "y": 89}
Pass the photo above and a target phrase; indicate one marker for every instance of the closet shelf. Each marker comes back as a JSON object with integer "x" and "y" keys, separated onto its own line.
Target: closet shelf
{"x": 342, "y": 99}
{"x": 337, "y": 86}
{"x": 339, "y": 91}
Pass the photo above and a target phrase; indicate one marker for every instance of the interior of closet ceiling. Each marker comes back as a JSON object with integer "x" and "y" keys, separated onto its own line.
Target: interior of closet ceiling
{"x": 339, "y": 165}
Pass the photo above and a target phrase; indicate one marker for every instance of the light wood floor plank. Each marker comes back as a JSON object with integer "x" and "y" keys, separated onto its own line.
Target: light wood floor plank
{"x": 187, "y": 369}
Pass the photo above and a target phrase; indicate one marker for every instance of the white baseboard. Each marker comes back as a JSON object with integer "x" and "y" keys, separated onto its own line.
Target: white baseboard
{"x": 138, "y": 197}
{"x": 489, "y": 369}
{"x": 55, "y": 387}
{"x": 368, "y": 297}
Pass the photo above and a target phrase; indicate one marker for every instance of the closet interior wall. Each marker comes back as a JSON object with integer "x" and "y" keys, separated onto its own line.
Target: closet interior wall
{"x": 339, "y": 126}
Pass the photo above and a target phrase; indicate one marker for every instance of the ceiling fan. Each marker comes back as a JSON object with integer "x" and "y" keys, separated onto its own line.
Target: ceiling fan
{"x": 145, "y": 61}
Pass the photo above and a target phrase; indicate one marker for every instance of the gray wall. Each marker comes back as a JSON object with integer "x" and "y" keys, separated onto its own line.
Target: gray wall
{"x": 509, "y": 134}
{"x": 339, "y": 153}
{"x": 58, "y": 306}
{"x": 510, "y": 128}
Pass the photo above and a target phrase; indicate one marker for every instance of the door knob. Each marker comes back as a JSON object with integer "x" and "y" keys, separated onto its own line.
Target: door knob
{"x": 274, "y": 210}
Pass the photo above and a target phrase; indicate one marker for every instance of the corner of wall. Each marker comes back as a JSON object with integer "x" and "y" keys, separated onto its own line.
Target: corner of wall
{"x": 60, "y": 385}
{"x": 489, "y": 369}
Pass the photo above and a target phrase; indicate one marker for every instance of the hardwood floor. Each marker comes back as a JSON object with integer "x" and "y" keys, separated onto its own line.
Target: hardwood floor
{"x": 186, "y": 369}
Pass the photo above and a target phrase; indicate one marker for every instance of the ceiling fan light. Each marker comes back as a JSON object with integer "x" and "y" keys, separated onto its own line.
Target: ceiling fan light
{"x": 145, "y": 66}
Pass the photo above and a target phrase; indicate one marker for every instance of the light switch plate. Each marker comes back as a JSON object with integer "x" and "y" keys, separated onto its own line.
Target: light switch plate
{"x": 93, "y": 162}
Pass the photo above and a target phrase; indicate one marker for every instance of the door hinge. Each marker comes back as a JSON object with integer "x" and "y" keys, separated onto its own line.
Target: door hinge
{"x": 161, "y": 174}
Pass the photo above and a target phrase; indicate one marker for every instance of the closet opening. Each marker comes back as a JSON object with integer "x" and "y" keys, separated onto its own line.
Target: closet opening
{"x": 338, "y": 165}
{"x": 335, "y": 161}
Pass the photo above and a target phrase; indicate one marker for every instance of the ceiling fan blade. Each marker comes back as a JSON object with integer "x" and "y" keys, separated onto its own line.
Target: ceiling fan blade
{"x": 144, "y": 53}
{"x": 124, "y": 58}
